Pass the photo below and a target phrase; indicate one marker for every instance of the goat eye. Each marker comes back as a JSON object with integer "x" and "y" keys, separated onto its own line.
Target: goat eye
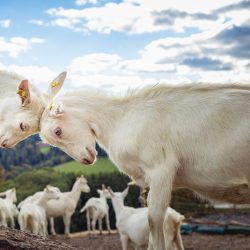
{"x": 58, "y": 132}
{"x": 24, "y": 127}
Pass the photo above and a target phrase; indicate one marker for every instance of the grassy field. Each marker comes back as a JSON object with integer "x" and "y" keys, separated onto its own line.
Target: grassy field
{"x": 102, "y": 165}
{"x": 45, "y": 150}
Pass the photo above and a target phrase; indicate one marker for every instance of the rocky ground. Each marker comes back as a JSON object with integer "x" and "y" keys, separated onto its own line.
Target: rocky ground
{"x": 12, "y": 239}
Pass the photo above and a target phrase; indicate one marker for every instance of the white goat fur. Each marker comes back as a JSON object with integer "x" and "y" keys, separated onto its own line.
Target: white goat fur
{"x": 12, "y": 113}
{"x": 66, "y": 205}
{"x": 194, "y": 136}
{"x": 30, "y": 199}
{"x": 8, "y": 208}
{"x": 132, "y": 224}
{"x": 32, "y": 216}
{"x": 97, "y": 209}
{"x": 20, "y": 115}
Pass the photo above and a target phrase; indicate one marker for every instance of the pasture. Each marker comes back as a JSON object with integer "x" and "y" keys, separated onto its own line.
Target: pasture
{"x": 102, "y": 165}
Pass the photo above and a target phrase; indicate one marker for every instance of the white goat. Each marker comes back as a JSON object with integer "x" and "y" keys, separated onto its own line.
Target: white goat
{"x": 32, "y": 216}
{"x": 97, "y": 209}
{"x": 132, "y": 224}
{"x": 193, "y": 136}
{"x": 7, "y": 207}
{"x": 20, "y": 115}
{"x": 66, "y": 205}
{"x": 30, "y": 199}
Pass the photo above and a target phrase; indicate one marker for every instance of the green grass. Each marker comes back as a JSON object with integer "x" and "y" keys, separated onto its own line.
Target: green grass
{"x": 45, "y": 150}
{"x": 102, "y": 165}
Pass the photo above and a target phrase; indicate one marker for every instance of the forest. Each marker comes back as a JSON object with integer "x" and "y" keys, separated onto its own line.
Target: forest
{"x": 31, "y": 154}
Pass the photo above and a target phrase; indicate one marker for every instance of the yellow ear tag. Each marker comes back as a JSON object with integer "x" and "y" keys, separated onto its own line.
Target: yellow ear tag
{"x": 54, "y": 84}
{"x": 21, "y": 92}
{"x": 50, "y": 106}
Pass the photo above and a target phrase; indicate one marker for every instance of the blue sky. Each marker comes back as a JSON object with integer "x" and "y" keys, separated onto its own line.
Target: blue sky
{"x": 116, "y": 45}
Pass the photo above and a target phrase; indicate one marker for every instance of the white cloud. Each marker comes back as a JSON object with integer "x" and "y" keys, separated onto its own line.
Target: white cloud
{"x": 5, "y": 23}
{"x": 39, "y": 76}
{"x": 201, "y": 57}
{"x": 168, "y": 54}
{"x": 187, "y": 6}
{"x": 159, "y": 62}
{"x": 107, "y": 72}
{"x": 67, "y": 23}
{"x": 16, "y": 45}
{"x": 94, "y": 63}
{"x": 83, "y": 2}
{"x": 146, "y": 16}
{"x": 37, "y": 22}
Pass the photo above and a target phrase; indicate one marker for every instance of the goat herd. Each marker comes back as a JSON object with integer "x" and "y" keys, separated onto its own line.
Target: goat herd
{"x": 163, "y": 137}
{"x": 132, "y": 224}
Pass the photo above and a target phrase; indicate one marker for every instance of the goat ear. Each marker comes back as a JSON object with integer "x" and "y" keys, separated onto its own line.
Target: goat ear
{"x": 24, "y": 93}
{"x": 125, "y": 192}
{"x": 103, "y": 187}
{"x": 56, "y": 85}
{"x": 99, "y": 191}
{"x": 110, "y": 191}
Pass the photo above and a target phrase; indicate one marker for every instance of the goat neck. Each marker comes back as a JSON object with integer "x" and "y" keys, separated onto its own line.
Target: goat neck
{"x": 118, "y": 205}
{"x": 75, "y": 191}
{"x": 42, "y": 201}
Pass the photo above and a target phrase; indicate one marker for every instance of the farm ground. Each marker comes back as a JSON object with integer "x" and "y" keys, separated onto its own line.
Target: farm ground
{"x": 191, "y": 242}
{"x": 12, "y": 239}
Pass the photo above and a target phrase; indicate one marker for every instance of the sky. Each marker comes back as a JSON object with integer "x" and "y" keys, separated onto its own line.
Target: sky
{"x": 118, "y": 45}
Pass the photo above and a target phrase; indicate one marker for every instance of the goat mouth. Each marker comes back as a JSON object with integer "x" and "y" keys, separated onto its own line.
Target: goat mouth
{"x": 90, "y": 157}
{"x": 9, "y": 146}
{"x": 87, "y": 161}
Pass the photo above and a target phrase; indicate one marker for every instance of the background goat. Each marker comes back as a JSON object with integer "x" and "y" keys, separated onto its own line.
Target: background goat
{"x": 7, "y": 207}
{"x": 132, "y": 224}
{"x": 97, "y": 209}
{"x": 32, "y": 216}
{"x": 66, "y": 205}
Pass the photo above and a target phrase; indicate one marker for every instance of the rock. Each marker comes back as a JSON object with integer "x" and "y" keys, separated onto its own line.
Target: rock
{"x": 13, "y": 239}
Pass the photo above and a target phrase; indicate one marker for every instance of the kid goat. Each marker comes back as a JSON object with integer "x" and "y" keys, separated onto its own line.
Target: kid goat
{"x": 193, "y": 136}
{"x": 132, "y": 224}
{"x": 64, "y": 206}
{"x": 32, "y": 216}
{"x": 7, "y": 207}
{"x": 97, "y": 209}
{"x": 20, "y": 115}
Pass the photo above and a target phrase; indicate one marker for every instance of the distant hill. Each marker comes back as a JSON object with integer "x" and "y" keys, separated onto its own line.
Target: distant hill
{"x": 30, "y": 154}
{"x": 27, "y": 155}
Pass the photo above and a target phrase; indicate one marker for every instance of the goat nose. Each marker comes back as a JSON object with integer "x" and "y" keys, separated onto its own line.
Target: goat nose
{"x": 4, "y": 143}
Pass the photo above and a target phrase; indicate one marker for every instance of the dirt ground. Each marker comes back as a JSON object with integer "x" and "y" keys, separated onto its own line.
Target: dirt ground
{"x": 191, "y": 242}
{"x": 12, "y": 239}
